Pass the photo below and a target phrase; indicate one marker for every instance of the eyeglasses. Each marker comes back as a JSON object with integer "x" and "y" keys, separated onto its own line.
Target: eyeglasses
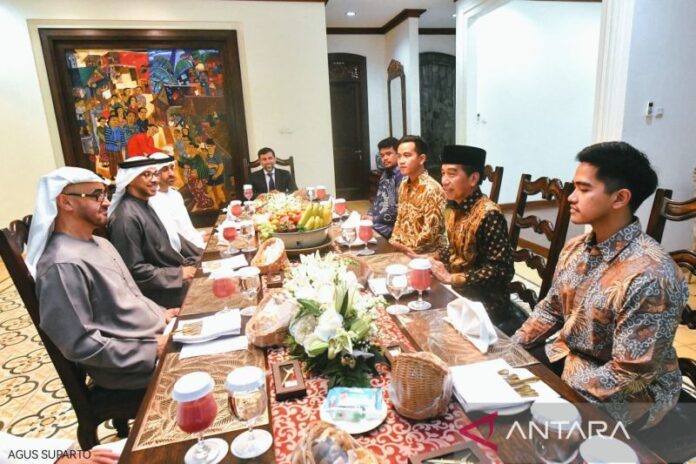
{"x": 100, "y": 196}
{"x": 147, "y": 175}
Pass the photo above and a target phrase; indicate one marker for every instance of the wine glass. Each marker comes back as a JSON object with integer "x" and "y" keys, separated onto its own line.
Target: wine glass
{"x": 420, "y": 278}
{"x": 321, "y": 192}
{"x": 365, "y": 233}
{"x": 235, "y": 209}
{"x": 340, "y": 206}
{"x": 195, "y": 411}
{"x": 250, "y": 208}
{"x": 251, "y": 283}
{"x": 397, "y": 285}
{"x": 311, "y": 193}
{"x": 249, "y": 235}
{"x": 224, "y": 283}
{"x": 348, "y": 234}
{"x": 246, "y": 389}
{"x": 229, "y": 232}
{"x": 248, "y": 191}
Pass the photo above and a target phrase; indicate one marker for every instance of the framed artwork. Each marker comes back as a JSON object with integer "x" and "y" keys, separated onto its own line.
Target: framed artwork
{"x": 122, "y": 93}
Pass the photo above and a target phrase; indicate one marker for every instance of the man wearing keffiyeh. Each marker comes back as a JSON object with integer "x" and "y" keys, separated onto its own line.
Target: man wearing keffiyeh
{"x": 478, "y": 263}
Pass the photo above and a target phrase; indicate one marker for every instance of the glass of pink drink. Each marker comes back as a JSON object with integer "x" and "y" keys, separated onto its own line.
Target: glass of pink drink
{"x": 196, "y": 410}
{"x": 365, "y": 233}
{"x": 420, "y": 279}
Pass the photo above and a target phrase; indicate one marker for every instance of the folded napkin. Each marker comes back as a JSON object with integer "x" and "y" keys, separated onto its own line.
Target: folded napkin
{"x": 480, "y": 386}
{"x": 471, "y": 320}
{"x": 209, "y": 328}
{"x": 353, "y": 220}
{"x": 234, "y": 262}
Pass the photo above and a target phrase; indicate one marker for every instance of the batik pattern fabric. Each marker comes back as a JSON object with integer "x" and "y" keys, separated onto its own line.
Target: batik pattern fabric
{"x": 385, "y": 207}
{"x": 420, "y": 222}
{"x": 616, "y": 305}
{"x": 480, "y": 257}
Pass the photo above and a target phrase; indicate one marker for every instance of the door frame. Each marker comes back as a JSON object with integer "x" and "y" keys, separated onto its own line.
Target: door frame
{"x": 365, "y": 127}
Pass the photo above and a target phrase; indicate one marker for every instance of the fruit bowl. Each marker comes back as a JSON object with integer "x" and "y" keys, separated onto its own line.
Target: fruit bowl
{"x": 304, "y": 239}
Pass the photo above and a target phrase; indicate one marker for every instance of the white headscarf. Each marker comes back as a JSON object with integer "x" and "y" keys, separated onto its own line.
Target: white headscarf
{"x": 50, "y": 186}
{"x": 161, "y": 204}
{"x": 127, "y": 174}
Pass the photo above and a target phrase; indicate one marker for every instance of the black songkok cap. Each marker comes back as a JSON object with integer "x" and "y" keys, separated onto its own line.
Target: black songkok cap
{"x": 465, "y": 155}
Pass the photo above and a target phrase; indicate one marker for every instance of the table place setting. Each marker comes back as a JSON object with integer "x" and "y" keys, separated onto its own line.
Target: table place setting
{"x": 494, "y": 385}
{"x": 233, "y": 262}
{"x": 199, "y": 330}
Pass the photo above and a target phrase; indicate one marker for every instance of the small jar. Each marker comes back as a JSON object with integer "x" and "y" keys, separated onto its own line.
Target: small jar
{"x": 557, "y": 432}
{"x": 600, "y": 449}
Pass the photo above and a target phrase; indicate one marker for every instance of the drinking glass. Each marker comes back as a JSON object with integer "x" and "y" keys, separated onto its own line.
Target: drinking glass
{"x": 397, "y": 285}
{"x": 225, "y": 284}
{"x": 195, "y": 412}
{"x": 420, "y": 279}
{"x": 321, "y": 192}
{"x": 365, "y": 233}
{"x": 248, "y": 191}
{"x": 235, "y": 208}
{"x": 250, "y": 208}
{"x": 246, "y": 390}
{"x": 249, "y": 235}
{"x": 311, "y": 193}
{"x": 340, "y": 206}
{"x": 250, "y": 282}
{"x": 229, "y": 232}
{"x": 348, "y": 234}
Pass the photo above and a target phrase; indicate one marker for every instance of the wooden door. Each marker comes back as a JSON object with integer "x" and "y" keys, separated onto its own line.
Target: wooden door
{"x": 350, "y": 127}
{"x": 437, "y": 87}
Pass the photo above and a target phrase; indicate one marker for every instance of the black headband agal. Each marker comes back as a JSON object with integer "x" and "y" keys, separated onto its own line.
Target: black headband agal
{"x": 145, "y": 162}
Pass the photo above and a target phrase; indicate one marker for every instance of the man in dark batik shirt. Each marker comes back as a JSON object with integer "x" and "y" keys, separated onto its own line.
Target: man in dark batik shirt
{"x": 479, "y": 263}
{"x": 383, "y": 210}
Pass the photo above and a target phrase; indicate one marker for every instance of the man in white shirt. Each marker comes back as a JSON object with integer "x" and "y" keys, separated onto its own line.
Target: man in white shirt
{"x": 169, "y": 206}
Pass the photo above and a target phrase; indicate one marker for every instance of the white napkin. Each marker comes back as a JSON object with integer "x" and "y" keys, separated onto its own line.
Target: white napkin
{"x": 480, "y": 386}
{"x": 219, "y": 324}
{"x": 234, "y": 262}
{"x": 471, "y": 320}
{"x": 353, "y": 220}
{"x": 217, "y": 346}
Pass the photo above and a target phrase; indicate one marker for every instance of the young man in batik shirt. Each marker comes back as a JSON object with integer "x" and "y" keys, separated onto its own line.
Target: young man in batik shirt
{"x": 384, "y": 209}
{"x": 420, "y": 224}
{"x": 616, "y": 296}
{"x": 479, "y": 263}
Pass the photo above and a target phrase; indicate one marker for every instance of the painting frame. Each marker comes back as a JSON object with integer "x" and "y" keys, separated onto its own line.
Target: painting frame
{"x": 56, "y": 42}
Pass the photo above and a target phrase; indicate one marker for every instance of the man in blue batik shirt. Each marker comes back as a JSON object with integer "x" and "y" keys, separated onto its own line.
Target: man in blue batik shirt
{"x": 384, "y": 208}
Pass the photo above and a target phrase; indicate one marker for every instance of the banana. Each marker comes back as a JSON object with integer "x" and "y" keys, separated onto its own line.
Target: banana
{"x": 327, "y": 216}
{"x": 305, "y": 217}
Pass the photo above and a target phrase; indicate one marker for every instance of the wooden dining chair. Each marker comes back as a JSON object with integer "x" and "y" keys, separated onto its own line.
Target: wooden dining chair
{"x": 555, "y": 233}
{"x": 92, "y": 405}
{"x": 495, "y": 176}
{"x": 250, "y": 166}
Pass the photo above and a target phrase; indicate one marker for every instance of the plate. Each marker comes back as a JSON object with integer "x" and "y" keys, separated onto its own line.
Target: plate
{"x": 304, "y": 251}
{"x": 204, "y": 338}
{"x": 355, "y": 428}
{"x": 510, "y": 411}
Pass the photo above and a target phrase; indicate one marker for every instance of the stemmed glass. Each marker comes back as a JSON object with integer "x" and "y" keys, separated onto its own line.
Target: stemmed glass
{"x": 235, "y": 209}
{"x": 249, "y": 234}
{"x": 248, "y": 191}
{"x": 251, "y": 283}
{"x": 224, "y": 283}
{"x": 365, "y": 233}
{"x": 195, "y": 412}
{"x": 348, "y": 234}
{"x": 420, "y": 278}
{"x": 340, "y": 207}
{"x": 397, "y": 285}
{"x": 246, "y": 388}
{"x": 229, "y": 232}
{"x": 321, "y": 192}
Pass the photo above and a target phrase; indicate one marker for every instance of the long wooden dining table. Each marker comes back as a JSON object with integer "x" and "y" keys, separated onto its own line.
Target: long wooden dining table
{"x": 153, "y": 438}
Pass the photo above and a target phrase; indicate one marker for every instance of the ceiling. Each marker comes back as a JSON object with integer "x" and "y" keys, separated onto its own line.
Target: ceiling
{"x": 376, "y": 13}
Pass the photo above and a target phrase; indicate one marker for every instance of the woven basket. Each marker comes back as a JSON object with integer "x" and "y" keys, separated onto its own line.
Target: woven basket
{"x": 278, "y": 265}
{"x": 358, "y": 266}
{"x": 421, "y": 385}
{"x": 262, "y": 330}
{"x": 324, "y": 443}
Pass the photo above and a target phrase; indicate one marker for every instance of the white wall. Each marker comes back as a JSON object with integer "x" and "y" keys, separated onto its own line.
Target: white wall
{"x": 437, "y": 43}
{"x": 662, "y": 69}
{"x": 535, "y": 65}
{"x": 284, "y": 73}
{"x": 372, "y": 47}
{"x": 402, "y": 45}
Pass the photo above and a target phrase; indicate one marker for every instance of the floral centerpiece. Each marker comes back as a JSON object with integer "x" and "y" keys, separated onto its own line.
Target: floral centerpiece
{"x": 333, "y": 330}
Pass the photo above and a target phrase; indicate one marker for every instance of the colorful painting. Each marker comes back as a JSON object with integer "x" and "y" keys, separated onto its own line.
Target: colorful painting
{"x": 137, "y": 102}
